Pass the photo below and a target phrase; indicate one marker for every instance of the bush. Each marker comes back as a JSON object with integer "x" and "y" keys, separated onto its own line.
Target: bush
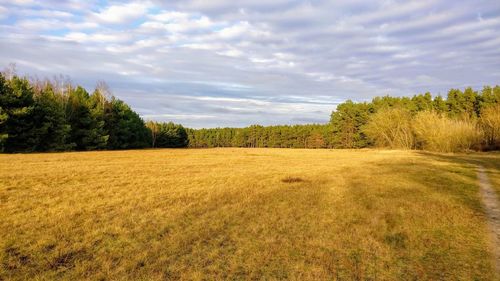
{"x": 436, "y": 132}
{"x": 391, "y": 127}
{"x": 490, "y": 123}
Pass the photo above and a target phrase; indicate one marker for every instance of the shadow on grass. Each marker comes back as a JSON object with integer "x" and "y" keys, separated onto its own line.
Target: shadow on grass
{"x": 490, "y": 161}
{"x": 456, "y": 179}
{"x": 441, "y": 236}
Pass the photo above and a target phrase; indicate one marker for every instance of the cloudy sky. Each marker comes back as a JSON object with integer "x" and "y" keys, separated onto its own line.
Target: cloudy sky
{"x": 239, "y": 62}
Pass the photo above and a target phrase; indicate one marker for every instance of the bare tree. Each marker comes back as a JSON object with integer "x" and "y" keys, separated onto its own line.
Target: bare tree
{"x": 153, "y": 127}
{"x": 62, "y": 86}
{"x": 10, "y": 71}
{"x": 104, "y": 89}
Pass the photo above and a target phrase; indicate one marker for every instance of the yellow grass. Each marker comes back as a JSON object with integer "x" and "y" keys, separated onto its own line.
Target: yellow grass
{"x": 243, "y": 214}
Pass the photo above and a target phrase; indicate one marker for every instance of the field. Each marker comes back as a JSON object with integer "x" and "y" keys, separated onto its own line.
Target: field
{"x": 205, "y": 214}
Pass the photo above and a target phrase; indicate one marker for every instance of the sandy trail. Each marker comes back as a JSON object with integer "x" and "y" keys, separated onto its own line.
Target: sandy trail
{"x": 492, "y": 207}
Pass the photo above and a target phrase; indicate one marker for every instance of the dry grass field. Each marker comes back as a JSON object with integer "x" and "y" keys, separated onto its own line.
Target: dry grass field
{"x": 241, "y": 214}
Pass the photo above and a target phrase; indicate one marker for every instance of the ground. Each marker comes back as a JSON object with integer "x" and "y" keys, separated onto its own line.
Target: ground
{"x": 198, "y": 214}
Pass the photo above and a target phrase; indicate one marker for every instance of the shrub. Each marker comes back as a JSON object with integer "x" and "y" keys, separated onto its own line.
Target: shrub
{"x": 391, "y": 127}
{"x": 436, "y": 132}
{"x": 490, "y": 123}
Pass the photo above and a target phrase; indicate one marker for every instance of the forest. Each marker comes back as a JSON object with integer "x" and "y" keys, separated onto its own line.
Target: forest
{"x": 464, "y": 120}
{"x": 44, "y": 115}
{"x": 55, "y": 115}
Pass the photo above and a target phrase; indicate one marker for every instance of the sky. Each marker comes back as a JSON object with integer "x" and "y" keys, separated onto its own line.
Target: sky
{"x": 235, "y": 63}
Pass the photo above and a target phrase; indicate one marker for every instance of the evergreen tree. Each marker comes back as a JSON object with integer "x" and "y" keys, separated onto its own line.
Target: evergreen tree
{"x": 126, "y": 129}
{"x": 489, "y": 97}
{"x": 51, "y": 126}
{"x": 388, "y": 101}
{"x": 456, "y": 102}
{"x": 347, "y": 121}
{"x": 3, "y": 134}
{"x": 86, "y": 130}
{"x": 439, "y": 105}
{"x": 18, "y": 128}
{"x": 422, "y": 102}
{"x": 96, "y": 103}
{"x": 172, "y": 135}
{"x": 471, "y": 102}
{"x": 4, "y": 91}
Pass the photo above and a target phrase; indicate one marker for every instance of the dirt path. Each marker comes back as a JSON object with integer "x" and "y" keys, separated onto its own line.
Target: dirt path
{"x": 491, "y": 203}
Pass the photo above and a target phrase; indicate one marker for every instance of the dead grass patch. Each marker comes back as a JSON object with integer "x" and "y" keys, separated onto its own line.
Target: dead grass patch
{"x": 292, "y": 179}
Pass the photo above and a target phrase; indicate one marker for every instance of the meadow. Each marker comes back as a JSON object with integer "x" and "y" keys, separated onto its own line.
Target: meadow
{"x": 239, "y": 214}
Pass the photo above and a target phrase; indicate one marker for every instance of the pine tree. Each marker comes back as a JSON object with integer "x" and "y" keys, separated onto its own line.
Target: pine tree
{"x": 172, "y": 135}
{"x": 489, "y": 97}
{"x": 4, "y": 90}
{"x": 347, "y": 121}
{"x": 51, "y": 126}
{"x": 422, "y": 102}
{"x": 455, "y": 102}
{"x": 86, "y": 130}
{"x": 3, "y": 134}
{"x": 126, "y": 129}
{"x": 439, "y": 105}
{"x": 97, "y": 103}
{"x": 18, "y": 128}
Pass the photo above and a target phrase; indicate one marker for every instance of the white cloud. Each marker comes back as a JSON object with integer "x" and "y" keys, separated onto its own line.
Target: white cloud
{"x": 180, "y": 116}
{"x": 97, "y": 37}
{"x": 121, "y": 13}
{"x": 242, "y": 29}
{"x": 231, "y": 53}
{"x": 203, "y": 46}
{"x": 170, "y": 17}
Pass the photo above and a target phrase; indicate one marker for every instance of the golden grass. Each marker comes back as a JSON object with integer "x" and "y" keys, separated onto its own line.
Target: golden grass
{"x": 240, "y": 214}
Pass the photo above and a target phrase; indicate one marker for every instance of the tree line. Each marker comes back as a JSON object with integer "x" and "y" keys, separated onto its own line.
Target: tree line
{"x": 464, "y": 120}
{"x": 284, "y": 136}
{"x": 54, "y": 115}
